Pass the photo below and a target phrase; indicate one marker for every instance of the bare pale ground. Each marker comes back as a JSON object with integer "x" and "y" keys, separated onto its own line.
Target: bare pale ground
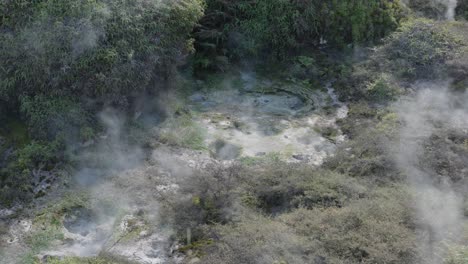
{"x": 236, "y": 124}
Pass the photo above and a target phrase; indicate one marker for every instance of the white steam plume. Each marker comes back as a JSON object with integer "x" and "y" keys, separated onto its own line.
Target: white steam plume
{"x": 438, "y": 206}
{"x": 451, "y": 5}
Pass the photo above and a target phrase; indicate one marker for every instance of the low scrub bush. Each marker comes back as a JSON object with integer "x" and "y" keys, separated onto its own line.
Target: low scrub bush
{"x": 369, "y": 230}
{"x": 418, "y": 49}
{"x": 206, "y": 197}
{"x": 257, "y": 240}
{"x": 434, "y": 9}
{"x": 367, "y": 153}
{"x": 280, "y": 187}
{"x": 373, "y": 230}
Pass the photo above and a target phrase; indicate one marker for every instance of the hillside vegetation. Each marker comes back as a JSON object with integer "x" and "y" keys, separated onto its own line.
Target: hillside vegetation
{"x": 100, "y": 100}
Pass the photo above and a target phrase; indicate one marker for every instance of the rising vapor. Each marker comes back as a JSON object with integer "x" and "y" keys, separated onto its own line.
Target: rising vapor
{"x": 438, "y": 206}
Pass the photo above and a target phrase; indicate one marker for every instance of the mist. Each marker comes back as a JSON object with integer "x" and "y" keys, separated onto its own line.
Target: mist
{"x": 451, "y": 6}
{"x": 124, "y": 186}
{"x": 432, "y": 110}
{"x": 267, "y": 131}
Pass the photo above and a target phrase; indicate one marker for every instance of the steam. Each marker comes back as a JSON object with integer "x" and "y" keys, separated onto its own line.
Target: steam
{"x": 86, "y": 37}
{"x": 70, "y": 37}
{"x": 123, "y": 199}
{"x": 451, "y": 6}
{"x": 438, "y": 206}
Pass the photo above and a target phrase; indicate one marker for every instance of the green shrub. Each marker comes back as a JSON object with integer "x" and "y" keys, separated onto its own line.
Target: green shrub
{"x": 256, "y": 239}
{"x": 462, "y": 10}
{"x": 57, "y": 55}
{"x": 48, "y": 117}
{"x": 429, "y": 8}
{"x": 16, "y": 176}
{"x": 274, "y": 29}
{"x": 14, "y": 132}
{"x": 103, "y": 49}
{"x": 283, "y": 187}
{"x": 367, "y": 152}
{"x": 373, "y": 230}
{"x": 38, "y": 154}
{"x": 205, "y": 197}
{"x": 259, "y": 33}
{"x": 435, "y": 9}
{"x": 182, "y": 131}
{"x": 382, "y": 89}
{"x": 457, "y": 255}
{"x": 419, "y": 48}
{"x": 370, "y": 230}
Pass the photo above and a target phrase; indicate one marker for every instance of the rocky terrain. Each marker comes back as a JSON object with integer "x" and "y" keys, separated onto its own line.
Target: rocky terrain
{"x": 121, "y": 214}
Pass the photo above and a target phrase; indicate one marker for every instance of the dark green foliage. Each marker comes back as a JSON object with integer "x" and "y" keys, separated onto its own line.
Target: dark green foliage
{"x": 14, "y": 133}
{"x": 428, "y": 8}
{"x": 103, "y": 49}
{"x": 16, "y": 178}
{"x": 280, "y": 213}
{"x": 374, "y": 230}
{"x": 268, "y": 27}
{"x": 275, "y": 29}
{"x": 48, "y": 117}
{"x": 284, "y": 187}
{"x": 366, "y": 153}
{"x": 462, "y": 10}
{"x": 436, "y": 9}
{"x": 207, "y": 198}
{"x": 62, "y": 60}
{"x": 37, "y": 154}
{"x": 10, "y": 15}
{"x": 344, "y": 22}
{"x": 419, "y": 49}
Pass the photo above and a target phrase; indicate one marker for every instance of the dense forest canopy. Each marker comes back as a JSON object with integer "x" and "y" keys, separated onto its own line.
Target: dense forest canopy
{"x": 242, "y": 29}
{"x": 57, "y": 54}
{"x": 100, "y": 49}
{"x": 123, "y": 90}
